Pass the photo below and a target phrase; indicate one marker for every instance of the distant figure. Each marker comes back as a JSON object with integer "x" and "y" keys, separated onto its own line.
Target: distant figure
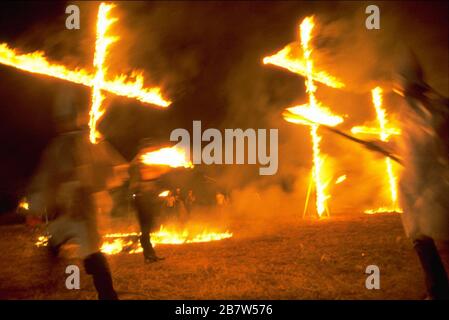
{"x": 221, "y": 202}
{"x": 71, "y": 186}
{"x": 190, "y": 201}
{"x": 181, "y": 211}
{"x": 179, "y": 199}
{"x": 170, "y": 203}
{"x": 220, "y": 199}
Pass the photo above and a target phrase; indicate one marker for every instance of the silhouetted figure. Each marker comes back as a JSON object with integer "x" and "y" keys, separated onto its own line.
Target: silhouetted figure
{"x": 145, "y": 192}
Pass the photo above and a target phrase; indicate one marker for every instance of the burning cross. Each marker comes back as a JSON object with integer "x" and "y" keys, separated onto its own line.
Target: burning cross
{"x": 122, "y": 85}
{"x": 313, "y": 110}
{"x": 383, "y": 132}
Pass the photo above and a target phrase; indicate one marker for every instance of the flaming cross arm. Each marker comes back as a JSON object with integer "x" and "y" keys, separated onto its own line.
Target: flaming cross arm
{"x": 386, "y": 148}
{"x": 37, "y": 63}
{"x": 284, "y": 59}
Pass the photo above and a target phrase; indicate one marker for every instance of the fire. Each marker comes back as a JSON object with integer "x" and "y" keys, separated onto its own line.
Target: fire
{"x": 23, "y": 204}
{"x": 340, "y": 179}
{"x": 306, "y": 115}
{"x": 42, "y": 241}
{"x": 384, "y": 133}
{"x": 173, "y": 157}
{"x": 122, "y": 85}
{"x": 164, "y": 194}
{"x": 321, "y": 196}
{"x": 382, "y": 210}
{"x": 373, "y": 131}
{"x": 286, "y": 60}
{"x": 166, "y": 236}
{"x": 101, "y": 46}
{"x": 313, "y": 110}
{"x": 115, "y": 243}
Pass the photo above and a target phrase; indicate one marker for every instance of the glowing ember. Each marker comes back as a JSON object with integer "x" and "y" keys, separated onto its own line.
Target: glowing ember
{"x": 164, "y": 194}
{"x": 313, "y": 110}
{"x": 42, "y": 241}
{"x": 122, "y": 85}
{"x": 340, "y": 179}
{"x": 173, "y": 157}
{"x": 384, "y": 133}
{"x": 115, "y": 243}
{"x": 23, "y": 204}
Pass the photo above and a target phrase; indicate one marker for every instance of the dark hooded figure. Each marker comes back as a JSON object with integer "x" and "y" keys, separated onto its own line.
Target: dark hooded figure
{"x": 424, "y": 183}
{"x": 69, "y": 186}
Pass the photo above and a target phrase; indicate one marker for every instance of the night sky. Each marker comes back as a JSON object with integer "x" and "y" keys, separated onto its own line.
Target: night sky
{"x": 206, "y": 56}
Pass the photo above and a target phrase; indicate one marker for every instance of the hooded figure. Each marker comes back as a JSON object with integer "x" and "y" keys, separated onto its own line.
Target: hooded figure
{"x": 70, "y": 186}
{"x": 424, "y": 183}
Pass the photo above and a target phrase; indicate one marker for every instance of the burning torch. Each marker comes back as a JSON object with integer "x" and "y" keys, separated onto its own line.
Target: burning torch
{"x": 373, "y": 146}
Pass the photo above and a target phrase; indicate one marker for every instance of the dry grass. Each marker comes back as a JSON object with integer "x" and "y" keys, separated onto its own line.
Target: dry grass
{"x": 302, "y": 260}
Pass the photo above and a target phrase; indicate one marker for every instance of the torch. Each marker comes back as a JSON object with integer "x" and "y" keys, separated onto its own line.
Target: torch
{"x": 369, "y": 145}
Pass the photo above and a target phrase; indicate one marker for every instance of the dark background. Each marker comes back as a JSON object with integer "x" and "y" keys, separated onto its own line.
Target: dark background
{"x": 206, "y": 56}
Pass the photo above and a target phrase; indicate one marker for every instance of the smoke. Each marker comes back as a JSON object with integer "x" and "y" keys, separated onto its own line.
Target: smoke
{"x": 362, "y": 59}
{"x": 207, "y": 58}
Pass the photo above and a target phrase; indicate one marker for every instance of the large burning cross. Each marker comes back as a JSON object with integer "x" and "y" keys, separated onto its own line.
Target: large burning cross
{"x": 383, "y": 132}
{"x": 121, "y": 85}
{"x": 313, "y": 110}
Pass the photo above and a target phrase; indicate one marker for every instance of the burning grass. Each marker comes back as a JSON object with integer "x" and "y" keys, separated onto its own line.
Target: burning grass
{"x": 323, "y": 259}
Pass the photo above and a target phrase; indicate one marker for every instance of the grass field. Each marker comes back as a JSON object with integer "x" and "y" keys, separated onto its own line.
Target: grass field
{"x": 289, "y": 260}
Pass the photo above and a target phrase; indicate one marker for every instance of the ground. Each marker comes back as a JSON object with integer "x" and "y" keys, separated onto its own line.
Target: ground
{"x": 323, "y": 259}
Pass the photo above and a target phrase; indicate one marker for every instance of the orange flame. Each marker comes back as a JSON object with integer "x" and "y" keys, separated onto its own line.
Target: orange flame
{"x": 384, "y": 133}
{"x": 312, "y": 113}
{"x": 115, "y": 243}
{"x": 306, "y": 115}
{"x": 284, "y": 59}
{"x": 340, "y": 179}
{"x": 173, "y": 157}
{"x": 164, "y": 194}
{"x": 23, "y": 204}
{"x": 101, "y": 46}
{"x": 122, "y": 85}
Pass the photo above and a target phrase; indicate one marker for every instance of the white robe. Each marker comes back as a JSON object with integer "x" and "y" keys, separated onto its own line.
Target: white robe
{"x": 74, "y": 177}
{"x": 424, "y": 182}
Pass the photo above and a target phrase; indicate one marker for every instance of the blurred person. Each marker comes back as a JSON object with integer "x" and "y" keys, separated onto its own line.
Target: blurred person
{"x": 424, "y": 184}
{"x": 221, "y": 202}
{"x": 144, "y": 185}
{"x": 169, "y": 205}
{"x": 423, "y": 147}
{"x": 181, "y": 211}
{"x": 220, "y": 199}
{"x": 70, "y": 187}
